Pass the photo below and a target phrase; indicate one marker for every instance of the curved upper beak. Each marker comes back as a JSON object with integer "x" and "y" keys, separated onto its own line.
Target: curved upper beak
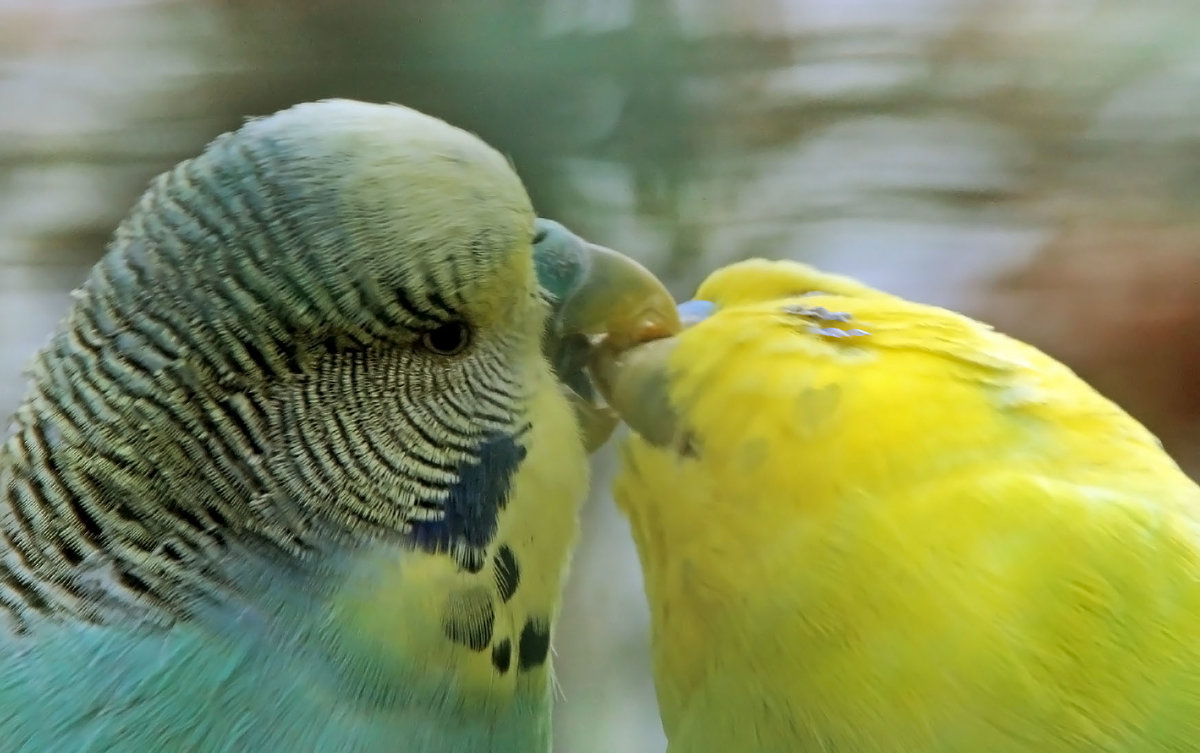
{"x": 599, "y": 299}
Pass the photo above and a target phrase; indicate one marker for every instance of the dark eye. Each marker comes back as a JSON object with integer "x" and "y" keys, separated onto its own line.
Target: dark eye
{"x": 448, "y": 339}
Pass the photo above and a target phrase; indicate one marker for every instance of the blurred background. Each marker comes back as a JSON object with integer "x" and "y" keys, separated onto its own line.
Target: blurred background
{"x": 1035, "y": 163}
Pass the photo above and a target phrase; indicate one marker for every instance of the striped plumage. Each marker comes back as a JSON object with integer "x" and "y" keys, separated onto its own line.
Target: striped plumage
{"x": 294, "y": 474}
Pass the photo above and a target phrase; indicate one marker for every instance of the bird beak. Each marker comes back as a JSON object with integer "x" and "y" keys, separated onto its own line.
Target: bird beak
{"x": 634, "y": 380}
{"x": 601, "y": 300}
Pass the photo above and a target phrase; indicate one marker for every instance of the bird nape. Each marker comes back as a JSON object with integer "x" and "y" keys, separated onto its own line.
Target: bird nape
{"x": 867, "y": 524}
{"x": 296, "y": 472}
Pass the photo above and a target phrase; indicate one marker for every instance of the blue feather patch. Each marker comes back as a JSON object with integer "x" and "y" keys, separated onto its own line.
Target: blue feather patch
{"x": 476, "y": 498}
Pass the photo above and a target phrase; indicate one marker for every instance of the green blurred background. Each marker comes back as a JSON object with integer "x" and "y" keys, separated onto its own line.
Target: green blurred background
{"x": 1035, "y": 163}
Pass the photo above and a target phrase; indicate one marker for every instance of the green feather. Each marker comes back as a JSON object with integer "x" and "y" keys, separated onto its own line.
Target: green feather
{"x": 243, "y": 408}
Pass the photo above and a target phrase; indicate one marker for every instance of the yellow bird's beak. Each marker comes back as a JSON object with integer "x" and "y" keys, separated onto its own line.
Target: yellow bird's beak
{"x": 601, "y": 301}
{"x": 634, "y": 379}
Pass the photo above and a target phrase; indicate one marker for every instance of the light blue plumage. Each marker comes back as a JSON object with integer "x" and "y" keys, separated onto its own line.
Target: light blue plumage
{"x": 245, "y": 682}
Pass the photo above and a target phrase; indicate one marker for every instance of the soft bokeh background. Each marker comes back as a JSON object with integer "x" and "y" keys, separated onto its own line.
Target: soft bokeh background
{"x": 1035, "y": 163}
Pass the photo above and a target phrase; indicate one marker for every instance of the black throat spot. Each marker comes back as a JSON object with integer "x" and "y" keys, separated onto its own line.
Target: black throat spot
{"x": 476, "y": 498}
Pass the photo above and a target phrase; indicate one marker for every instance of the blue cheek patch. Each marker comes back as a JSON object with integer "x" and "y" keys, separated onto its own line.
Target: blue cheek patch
{"x": 476, "y": 498}
{"x": 695, "y": 311}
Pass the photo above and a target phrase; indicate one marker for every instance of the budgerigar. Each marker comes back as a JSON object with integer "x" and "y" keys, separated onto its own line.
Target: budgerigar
{"x": 296, "y": 474}
{"x": 868, "y": 525}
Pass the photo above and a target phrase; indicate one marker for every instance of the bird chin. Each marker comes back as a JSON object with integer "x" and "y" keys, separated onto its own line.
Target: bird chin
{"x": 596, "y": 422}
{"x": 570, "y": 358}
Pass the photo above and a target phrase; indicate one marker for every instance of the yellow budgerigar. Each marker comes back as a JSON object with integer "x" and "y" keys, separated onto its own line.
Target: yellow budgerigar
{"x": 868, "y": 524}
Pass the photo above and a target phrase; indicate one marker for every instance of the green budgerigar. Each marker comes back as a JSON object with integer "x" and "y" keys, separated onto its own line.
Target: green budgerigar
{"x": 300, "y": 470}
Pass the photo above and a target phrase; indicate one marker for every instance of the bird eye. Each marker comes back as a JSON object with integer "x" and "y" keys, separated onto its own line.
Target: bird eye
{"x": 448, "y": 339}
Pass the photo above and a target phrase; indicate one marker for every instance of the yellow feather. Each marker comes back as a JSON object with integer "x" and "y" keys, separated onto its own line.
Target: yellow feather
{"x": 393, "y": 607}
{"x": 929, "y": 537}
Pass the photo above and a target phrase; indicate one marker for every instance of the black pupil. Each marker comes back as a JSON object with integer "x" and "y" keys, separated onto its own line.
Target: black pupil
{"x": 448, "y": 338}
